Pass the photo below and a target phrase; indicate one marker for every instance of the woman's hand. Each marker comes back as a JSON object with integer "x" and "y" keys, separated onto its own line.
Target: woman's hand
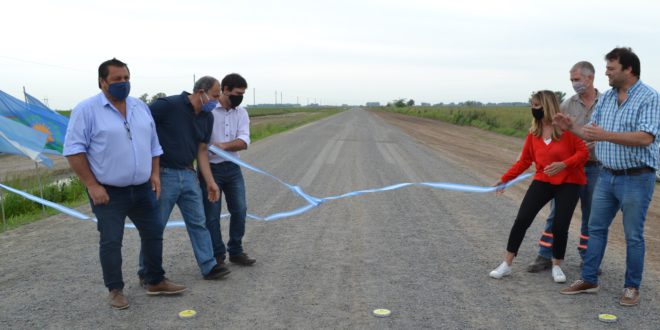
{"x": 500, "y": 190}
{"x": 554, "y": 168}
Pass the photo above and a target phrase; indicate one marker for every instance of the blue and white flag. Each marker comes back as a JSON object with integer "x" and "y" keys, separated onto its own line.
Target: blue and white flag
{"x": 19, "y": 139}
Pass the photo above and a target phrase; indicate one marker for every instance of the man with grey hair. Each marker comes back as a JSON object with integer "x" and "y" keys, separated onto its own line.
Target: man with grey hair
{"x": 184, "y": 124}
{"x": 579, "y": 107}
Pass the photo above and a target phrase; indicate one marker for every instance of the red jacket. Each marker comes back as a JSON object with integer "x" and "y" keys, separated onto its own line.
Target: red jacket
{"x": 570, "y": 149}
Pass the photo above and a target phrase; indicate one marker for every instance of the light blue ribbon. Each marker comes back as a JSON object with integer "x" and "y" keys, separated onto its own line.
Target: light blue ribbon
{"x": 312, "y": 201}
{"x": 315, "y": 201}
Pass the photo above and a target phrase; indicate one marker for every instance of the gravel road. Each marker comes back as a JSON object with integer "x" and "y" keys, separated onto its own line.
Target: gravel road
{"x": 424, "y": 254}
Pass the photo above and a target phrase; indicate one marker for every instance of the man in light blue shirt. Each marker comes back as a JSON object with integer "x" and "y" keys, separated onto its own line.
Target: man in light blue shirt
{"x": 111, "y": 144}
{"x": 625, "y": 126}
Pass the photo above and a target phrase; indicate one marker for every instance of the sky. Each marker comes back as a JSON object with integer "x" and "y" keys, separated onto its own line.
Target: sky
{"x": 328, "y": 52}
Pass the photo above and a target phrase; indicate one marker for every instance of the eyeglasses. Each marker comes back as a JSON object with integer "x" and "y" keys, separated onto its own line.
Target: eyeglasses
{"x": 128, "y": 130}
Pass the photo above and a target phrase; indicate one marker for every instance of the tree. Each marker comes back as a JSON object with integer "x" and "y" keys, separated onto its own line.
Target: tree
{"x": 560, "y": 96}
{"x": 410, "y": 103}
{"x": 400, "y": 103}
{"x": 157, "y": 96}
{"x": 144, "y": 97}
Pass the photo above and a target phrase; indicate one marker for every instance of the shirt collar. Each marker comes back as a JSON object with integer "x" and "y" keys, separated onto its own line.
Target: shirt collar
{"x": 576, "y": 97}
{"x": 104, "y": 102}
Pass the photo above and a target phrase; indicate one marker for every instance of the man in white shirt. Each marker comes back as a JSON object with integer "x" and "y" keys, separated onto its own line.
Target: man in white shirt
{"x": 231, "y": 133}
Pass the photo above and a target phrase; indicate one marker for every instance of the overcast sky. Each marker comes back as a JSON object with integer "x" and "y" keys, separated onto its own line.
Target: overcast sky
{"x": 333, "y": 52}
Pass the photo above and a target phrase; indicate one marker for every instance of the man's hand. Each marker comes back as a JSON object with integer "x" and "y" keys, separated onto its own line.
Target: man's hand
{"x": 155, "y": 185}
{"x": 220, "y": 145}
{"x": 98, "y": 194}
{"x": 594, "y": 132}
{"x": 563, "y": 121}
{"x": 554, "y": 168}
{"x": 214, "y": 191}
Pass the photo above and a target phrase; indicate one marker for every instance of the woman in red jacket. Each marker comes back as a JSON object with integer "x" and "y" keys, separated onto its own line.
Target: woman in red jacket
{"x": 559, "y": 157}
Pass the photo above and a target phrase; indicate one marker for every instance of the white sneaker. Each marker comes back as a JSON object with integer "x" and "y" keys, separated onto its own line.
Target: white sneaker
{"x": 558, "y": 274}
{"x": 502, "y": 270}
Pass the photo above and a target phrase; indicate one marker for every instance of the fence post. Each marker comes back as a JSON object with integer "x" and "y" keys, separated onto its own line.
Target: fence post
{"x": 41, "y": 189}
{"x": 2, "y": 206}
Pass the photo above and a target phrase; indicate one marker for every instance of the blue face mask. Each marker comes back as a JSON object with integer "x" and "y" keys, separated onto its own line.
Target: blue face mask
{"x": 120, "y": 90}
{"x": 210, "y": 105}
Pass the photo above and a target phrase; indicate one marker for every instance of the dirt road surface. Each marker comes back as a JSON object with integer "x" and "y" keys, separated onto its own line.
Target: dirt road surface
{"x": 424, "y": 254}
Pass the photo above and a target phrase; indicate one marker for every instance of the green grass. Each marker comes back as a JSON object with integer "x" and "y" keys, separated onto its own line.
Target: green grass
{"x": 258, "y": 112}
{"x": 511, "y": 121}
{"x": 19, "y": 211}
{"x": 259, "y": 132}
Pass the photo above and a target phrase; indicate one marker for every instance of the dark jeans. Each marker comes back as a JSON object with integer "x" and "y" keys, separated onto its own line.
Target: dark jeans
{"x": 540, "y": 193}
{"x": 229, "y": 178}
{"x": 139, "y": 204}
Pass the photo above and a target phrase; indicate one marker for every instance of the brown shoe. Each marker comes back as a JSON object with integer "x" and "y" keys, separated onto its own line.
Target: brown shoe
{"x": 117, "y": 299}
{"x": 580, "y": 286}
{"x": 242, "y": 259}
{"x": 630, "y": 297}
{"x": 539, "y": 264}
{"x": 220, "y": 261}
{"x": 165, "y": 287}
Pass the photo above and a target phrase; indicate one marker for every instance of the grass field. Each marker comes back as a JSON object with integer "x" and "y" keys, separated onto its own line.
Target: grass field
{"x": 512, "y": 121}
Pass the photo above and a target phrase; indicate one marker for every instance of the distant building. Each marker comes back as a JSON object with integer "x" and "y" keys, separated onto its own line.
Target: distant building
{"x": 426, "y": 104}
{"x": 373, "y": 104}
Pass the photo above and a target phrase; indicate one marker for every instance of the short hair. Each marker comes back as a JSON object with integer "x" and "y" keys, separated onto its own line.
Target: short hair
{"x": 104, "y": 71}
{"x": 626, "y": 57}
{"x": 585, "y": 68}
{"x": 233, "y": 80}
{"x": 204, "y": 84}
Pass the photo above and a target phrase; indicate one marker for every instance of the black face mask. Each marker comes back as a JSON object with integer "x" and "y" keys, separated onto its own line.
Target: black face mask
{"x": 537, "y": 113}
{"x": 235, "y": 100}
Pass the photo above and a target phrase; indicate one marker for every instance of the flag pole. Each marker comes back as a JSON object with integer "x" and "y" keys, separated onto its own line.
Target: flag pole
{"x": 36, "y": 164}
{"x": 41, "y": 189}
{"x": 2, "y": 206}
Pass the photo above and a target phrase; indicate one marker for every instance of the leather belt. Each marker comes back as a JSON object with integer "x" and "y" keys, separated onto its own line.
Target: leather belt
{"x": 630, "y": 171}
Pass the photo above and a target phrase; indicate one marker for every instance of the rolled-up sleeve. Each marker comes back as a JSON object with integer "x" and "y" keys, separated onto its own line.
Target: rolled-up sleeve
{"x": 77, "y": 136}
{"x": 244, "y": 127}
{"x": 156, "y": 149}
{"x": 649, "y": 116}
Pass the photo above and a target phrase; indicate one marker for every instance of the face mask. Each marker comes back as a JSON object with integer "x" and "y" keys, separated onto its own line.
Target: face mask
{"x": 537, "y": 113}
{"x": 579, "y": 87}
{"x": 210, "y": 105}
{"x": 119, "y": 90}
{"x": 235, "y": 100}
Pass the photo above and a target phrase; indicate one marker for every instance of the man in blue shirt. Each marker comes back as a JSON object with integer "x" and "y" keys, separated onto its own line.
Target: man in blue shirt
{"x": 111, "y": 144}
{"x": 625, "y": 126}
{"x": 183, "y": 124}
{"x": 231, "y": 133}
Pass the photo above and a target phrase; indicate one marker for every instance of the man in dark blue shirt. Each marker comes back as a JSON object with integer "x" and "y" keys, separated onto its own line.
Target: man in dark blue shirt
{"x": 184, "y": 124}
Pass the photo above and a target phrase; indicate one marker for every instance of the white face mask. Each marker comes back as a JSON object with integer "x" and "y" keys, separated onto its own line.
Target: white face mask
{"x": 579, "y": 87}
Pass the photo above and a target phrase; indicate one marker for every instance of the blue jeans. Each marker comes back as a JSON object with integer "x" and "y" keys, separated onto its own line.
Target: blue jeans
{"x": 631, "y": 194}
{"x": 229, "y": 178}
{"x": 139, "y": 204}
{"x": 586, "y": 194}
{"x": 181, "y": 187}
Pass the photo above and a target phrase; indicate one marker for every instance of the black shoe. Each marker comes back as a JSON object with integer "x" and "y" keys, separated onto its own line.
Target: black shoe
{"x": 217, "y": 272}
{"x": 242, "y": 259}
{"x": 539, "y": 264}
